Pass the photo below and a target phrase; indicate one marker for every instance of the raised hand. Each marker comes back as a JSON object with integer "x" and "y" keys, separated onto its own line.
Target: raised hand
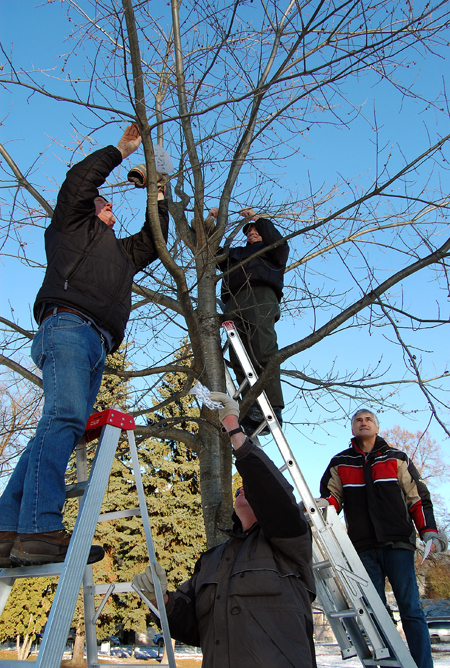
{"x": 130, "y": 140}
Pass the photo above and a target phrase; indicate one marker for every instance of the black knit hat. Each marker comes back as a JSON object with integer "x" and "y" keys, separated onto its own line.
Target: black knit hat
{"x": 247, "y": 226}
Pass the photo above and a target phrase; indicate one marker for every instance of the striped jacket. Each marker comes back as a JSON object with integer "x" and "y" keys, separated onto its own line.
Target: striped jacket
{"x": 382, "y": 495}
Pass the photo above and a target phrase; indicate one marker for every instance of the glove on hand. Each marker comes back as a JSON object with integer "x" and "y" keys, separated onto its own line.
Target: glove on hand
{"x": 144, "y": 581}
{"x": 138, "y": 176}
{"x": 440, "y": 540}
{"x": 321, "y": 503}
{"x": 230, "y": 406}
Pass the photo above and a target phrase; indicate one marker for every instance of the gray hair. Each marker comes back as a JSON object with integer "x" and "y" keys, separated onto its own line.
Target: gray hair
{"x": 365, "y": 410}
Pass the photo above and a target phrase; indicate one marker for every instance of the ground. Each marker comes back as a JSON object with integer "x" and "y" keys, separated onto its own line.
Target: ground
{"x": 328, "y": 656}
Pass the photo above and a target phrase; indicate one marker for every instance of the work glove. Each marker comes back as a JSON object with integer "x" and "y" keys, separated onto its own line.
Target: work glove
{"x": 144, "y": 581}
{"x": 230, "y": 406}
{"x": 138, "y": 176}
{"x": 321, "y": 502}
{"x": 440, "y": 540}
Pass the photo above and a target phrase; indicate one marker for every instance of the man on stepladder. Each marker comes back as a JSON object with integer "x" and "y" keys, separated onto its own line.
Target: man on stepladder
{"x": 251, "y": 292}
{"x": 248, "y": 601}
{"x": 82, "y": 310}
{"x": 383, "y": 497}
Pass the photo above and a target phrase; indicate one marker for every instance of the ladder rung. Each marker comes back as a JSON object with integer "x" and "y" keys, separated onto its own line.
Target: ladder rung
{"x": 119, "y": 588}
{"x": 343, "y": 614}
{"x": 241, "y": 387}
{"x": 381, "y": 663}
{"x": 130, "y": 512}
{"x": 47, "y": 570}
{"x": 77, "y": 489}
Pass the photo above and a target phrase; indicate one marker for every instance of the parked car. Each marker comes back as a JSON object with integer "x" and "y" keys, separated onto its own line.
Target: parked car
{"x": 113, "y": 640}
{"x": 439, "y": 630}
{"x": 70, "y": 638}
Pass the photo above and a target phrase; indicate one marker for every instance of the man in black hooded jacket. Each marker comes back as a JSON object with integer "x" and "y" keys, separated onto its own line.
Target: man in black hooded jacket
{"x": 82, "y": 310}
{"x": 252, "y": 288}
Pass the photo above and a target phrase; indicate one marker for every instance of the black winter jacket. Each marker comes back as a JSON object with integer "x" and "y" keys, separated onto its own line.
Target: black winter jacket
{"x": 266, "y": 269}
{"x": 248, "y": 602}
{"x": 381, "y": 493}
{"x": 88, "y": 269}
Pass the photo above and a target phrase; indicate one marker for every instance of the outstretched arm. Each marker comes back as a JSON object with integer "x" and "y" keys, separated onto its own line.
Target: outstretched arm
{"x": 266, "y": 489}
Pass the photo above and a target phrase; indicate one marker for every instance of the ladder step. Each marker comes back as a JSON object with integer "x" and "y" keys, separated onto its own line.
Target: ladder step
{"x": 77, "y": 489}
{"x": 47, "y": 570}
{"x": 382, "y": 662}
{"x": 342, "y": 614}
{"x": 130, "y": 512}
{"x": 321, "y": 564}
{"x": 119, "y": 588}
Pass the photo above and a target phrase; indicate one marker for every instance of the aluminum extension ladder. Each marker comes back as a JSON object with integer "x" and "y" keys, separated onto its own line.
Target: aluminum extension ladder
{"x": 73, "y": 572}
{"x": 355, "y": 612}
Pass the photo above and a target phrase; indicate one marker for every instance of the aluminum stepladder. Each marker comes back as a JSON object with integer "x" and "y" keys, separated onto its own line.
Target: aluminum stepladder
{"x": 344, "y": 589}
{"x": 73, "y": 572}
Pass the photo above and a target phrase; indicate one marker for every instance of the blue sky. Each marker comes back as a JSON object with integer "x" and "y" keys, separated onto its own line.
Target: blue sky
{"x": 30, "y": 124}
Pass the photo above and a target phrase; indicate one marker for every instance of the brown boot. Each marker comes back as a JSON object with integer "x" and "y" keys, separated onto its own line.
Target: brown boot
{"x": 47, "y": 548}
{"x": 7, "y": 539}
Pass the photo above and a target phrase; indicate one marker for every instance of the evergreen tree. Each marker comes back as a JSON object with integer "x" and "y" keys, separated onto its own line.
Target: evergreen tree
{"x": 173, "y": 489}
{"x": 170, "y": 473}
{"x": 113, "y": 392}
{"x": 26, "y": 612}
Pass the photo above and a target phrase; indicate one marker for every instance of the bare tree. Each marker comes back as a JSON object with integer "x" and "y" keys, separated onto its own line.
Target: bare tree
{"x": 234, "y": 91}
{"x": 429, "y": 459}
{"x": 20, "y": 408}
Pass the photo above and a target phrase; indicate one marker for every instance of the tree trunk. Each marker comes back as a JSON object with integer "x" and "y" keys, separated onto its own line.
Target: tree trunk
{"x": 23, "y": 652}
{"x": 215, "y": 455}
{"x": 78, "y": 648}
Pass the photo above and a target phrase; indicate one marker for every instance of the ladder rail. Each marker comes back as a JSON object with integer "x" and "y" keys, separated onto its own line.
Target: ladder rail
{"x": 151, "y": 550}
{"x": 61, "y": 613}
{"x": 75, "y": 570}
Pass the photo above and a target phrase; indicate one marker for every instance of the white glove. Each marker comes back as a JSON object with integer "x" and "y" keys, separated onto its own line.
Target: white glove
{"x": 144, "y": 581}
{"x": 440, "y": 540}
{"x": 321, "y": 503}
{"x": 230, "y": 406}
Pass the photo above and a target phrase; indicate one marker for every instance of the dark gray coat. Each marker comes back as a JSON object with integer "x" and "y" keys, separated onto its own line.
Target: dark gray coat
{"x": 248, "y": 603}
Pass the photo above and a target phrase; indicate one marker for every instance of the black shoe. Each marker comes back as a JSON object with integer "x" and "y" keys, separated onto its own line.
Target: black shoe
{"x": 252, "y": 420}
{"x": 249, "y": 426}
{"x": 34, "y": 549}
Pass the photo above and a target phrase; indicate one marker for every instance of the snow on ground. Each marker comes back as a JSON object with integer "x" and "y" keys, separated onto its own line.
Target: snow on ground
{"x": 329, "y": 656}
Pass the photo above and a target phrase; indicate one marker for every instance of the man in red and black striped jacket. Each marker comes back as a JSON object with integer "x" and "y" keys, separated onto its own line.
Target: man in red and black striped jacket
{"x": 383, "y": 497}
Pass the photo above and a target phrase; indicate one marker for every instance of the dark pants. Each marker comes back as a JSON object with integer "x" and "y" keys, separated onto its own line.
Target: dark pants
{"x": 254, "y": 312}
{"x": 398, "y": 566}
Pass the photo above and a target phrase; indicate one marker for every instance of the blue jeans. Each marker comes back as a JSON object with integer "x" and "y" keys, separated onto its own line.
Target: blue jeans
{"x": 398, "y": 566}
{"x": 71, "y": 356}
